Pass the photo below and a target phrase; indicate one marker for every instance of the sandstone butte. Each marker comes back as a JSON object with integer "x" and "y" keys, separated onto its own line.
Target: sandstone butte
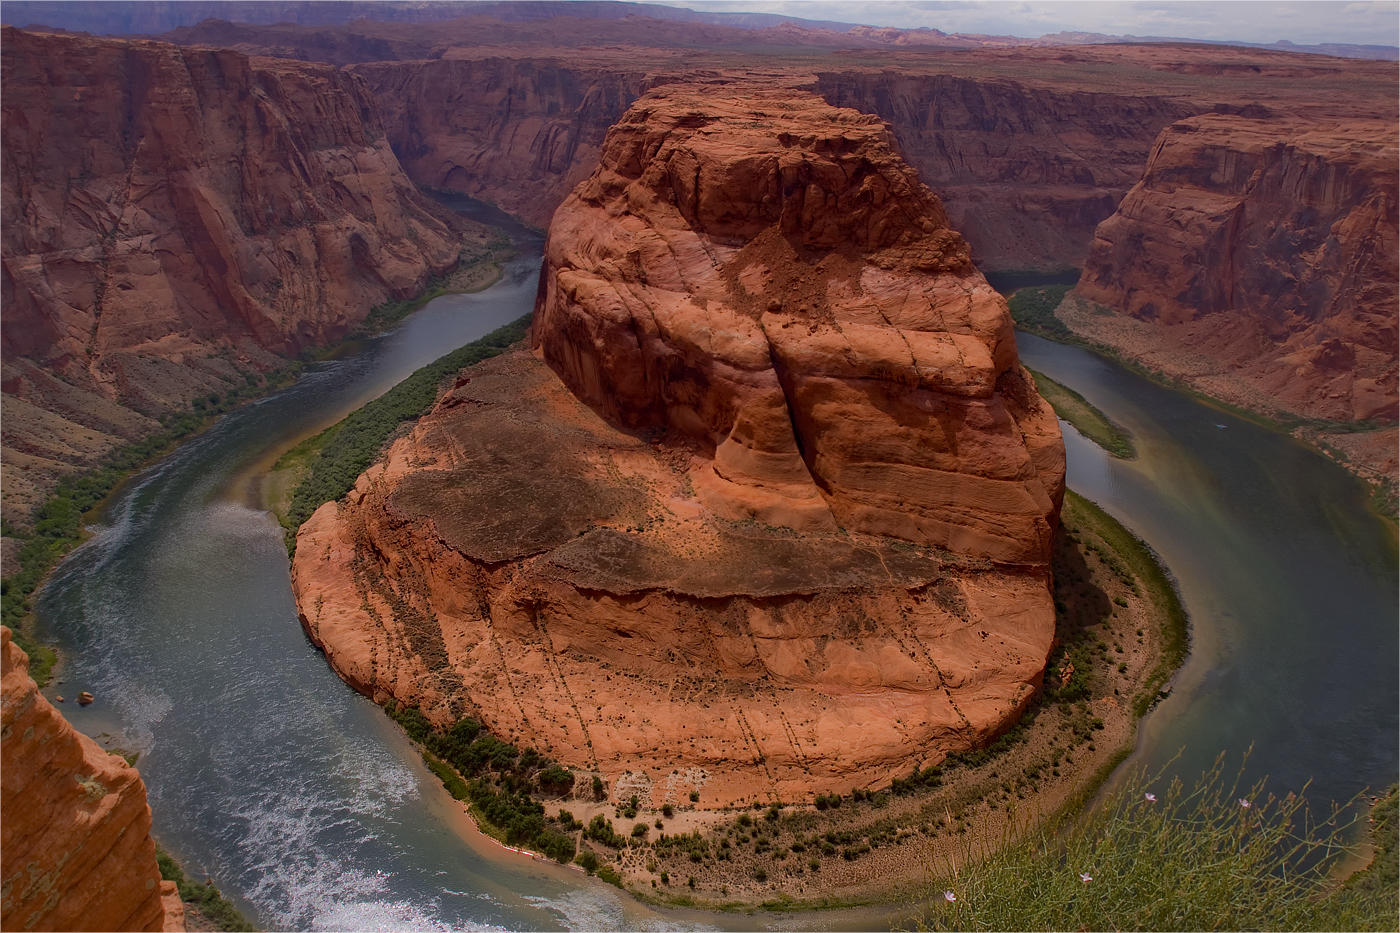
{"x": 1267, "y": 251}
{"x": 768, "y": 510}
{"x": 75, "y": 845}
{"x": 172, "y": 219}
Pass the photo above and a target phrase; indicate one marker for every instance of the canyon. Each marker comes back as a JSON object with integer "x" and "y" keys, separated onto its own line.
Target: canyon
{"x": 125, "y": 302}
{"x": 76, "y": 844}
{"x": 767, "y": 512}
{"x": 1269, "y": 250}
{"x": 766, "y": 508}
{"x": 177, "y": 222}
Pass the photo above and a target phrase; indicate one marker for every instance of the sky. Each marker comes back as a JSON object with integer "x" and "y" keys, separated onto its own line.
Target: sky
{"x": 1305, "y": 22}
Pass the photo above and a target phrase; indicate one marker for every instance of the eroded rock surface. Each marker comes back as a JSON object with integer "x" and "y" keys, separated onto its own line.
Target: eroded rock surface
{"x": 783, "y": 524}
{"x": 1266, "y": 251}
{"x": 75, "y": 845}
{"x": 760, "y": 271}
{"x": 172, "y": 218}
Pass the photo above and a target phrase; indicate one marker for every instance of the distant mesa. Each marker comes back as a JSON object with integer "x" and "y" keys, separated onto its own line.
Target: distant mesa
{"x": 771, "y": 502}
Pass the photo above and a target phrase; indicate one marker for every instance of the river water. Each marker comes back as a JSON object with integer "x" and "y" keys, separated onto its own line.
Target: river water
{"x": 314, "y": 812}
{"x": 1290, "y": 582}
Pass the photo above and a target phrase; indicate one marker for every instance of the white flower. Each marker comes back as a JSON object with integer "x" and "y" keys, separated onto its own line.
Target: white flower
{"x": 1085, "y": 877}
{"x": 949, "y": 896}
{"x": 1151, "y": 798}
{"x": 1244, "y": 803}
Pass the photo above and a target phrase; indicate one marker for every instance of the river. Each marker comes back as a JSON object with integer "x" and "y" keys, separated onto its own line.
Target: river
{"x": 1290, "y": 582}
{"x": 314, "y": 812}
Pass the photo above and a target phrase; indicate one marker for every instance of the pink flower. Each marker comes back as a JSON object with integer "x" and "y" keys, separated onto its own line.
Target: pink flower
{"x": 1244, "y": 803}
{"x": 1085, "y": 877}
{"x": 949, "y": 896}
{"x": 1151, "y": 798}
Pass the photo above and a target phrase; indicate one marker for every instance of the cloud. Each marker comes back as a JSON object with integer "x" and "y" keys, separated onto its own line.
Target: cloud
{"x": 1305, "y": 22}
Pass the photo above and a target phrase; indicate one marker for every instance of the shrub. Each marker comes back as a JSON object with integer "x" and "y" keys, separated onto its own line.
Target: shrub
{"x": 639, "y": 831}
{"x": 668, "y": 811}
{"x": 1193, "y": 858}
{"x": 588, "y": 862}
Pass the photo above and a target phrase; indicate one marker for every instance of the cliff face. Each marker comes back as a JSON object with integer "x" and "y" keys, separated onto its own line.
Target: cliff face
{"x": 1026, "y": 173}
{"x": 171, "y": 218}
{"x": 1269, "y": 252}
{"x": 764, "y": 274}
{"x": 519, "y": 133}
{"x": 76, "y": 841}
{"x": 788, "y": 365}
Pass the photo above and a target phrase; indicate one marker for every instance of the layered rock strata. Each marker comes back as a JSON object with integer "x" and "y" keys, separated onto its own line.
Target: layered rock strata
{"x": 1265, "y": 254}
{"x": 780, "y": 523}
{"x": 172, "y": 219}
{"x": 75, "y": 847}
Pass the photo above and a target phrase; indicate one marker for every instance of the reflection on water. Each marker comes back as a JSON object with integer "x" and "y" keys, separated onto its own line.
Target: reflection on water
{"x": 1290, "y": 582}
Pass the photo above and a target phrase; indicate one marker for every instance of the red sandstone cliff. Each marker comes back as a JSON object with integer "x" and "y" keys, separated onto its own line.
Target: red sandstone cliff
{"x": 763, "y": 273}
{"x": 1266, "y": 252}
{"x": 75, "y": 846}
{"x": 519, "y": 133}
{"x": 758, "y": 562}
{"x": 1025, "y": 172}
{"x": 171, "y": 218}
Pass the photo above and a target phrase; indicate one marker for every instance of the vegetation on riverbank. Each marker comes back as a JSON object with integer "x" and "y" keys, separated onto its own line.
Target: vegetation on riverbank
{"x": 58, "y": 523}
{"x": 1070, "y": 406}
{"x": 216, "y": 910}
{"x": 336, "y": 457}
{"x": 497, "y": 778}
{"x": 1156, "y": 855}
{"x": 474, "y": 271}
{"x": 1033, "y": 311}
{"x": 1122, "y": 632}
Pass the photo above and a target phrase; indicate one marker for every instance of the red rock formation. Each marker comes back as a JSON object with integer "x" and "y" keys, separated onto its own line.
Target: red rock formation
{"x": 1267, "y": 250}
{"x": 75, "y": 846}
{"x": 519, "y": 133}
{"x": 172, "y": 215}
{"x": 1026, "y": 172}
{"x": 760, "y": 271}
{"x": 783, "y": 335}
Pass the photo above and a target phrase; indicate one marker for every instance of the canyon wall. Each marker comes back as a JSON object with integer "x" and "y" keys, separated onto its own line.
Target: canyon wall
{"x": 520, "y": 133}
{"x": 174, "y": 220}
{"x": 1263, "y": 256}
{"x": 776, "y": 517}
{"x": 1026, "y": 173}
{"x": 76, "y": 841}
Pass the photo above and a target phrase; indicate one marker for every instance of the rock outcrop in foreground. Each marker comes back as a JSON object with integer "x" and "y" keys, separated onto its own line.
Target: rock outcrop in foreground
{"x": 783, "y": 526}
{"x": 1265, "y": 254}
{"x": 174, "y": 217}
{"x": 76, "y": 840}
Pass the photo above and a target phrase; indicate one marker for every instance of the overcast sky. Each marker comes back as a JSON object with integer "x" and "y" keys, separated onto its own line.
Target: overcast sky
{"x": 1306, "y": 22}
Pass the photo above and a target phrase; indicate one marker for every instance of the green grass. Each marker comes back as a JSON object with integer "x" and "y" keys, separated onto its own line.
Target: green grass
{"x": 1084, "y": 417}
{"x": 1033, "y": 310}
{"x": 359, "y": 438}
{"x": 216, "y": 908}
{"x": 1193, "y": 859}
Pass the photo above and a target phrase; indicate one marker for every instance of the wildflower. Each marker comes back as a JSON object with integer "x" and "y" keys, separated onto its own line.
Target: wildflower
{"x": 1085, "y": 877}
{"x": 1244, "y": 803}
{"x": 1151, "y": 798}
{"x": 949, "y": 896}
